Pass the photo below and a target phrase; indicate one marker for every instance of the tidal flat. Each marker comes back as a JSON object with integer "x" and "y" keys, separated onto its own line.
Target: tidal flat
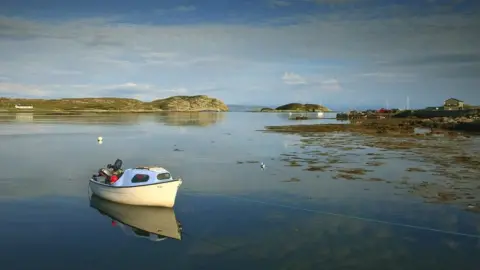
{"x": 440, "y": 169}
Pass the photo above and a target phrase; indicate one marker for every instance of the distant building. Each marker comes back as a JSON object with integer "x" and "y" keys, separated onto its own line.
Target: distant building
{"x": 453, "y": 104}
{"x": 24, "y": 107}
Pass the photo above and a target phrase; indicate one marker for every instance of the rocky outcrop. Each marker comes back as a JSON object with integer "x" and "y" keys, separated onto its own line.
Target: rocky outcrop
{"x": 437, "y": 113}
{"x": 471, "y": 123}
{"x": 303, "y": 107}
{"x": 408, "y": 125}
{"x": 190, "y": 103}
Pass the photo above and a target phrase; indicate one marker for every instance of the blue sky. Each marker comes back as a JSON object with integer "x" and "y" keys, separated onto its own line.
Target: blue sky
{"x": 342, "y": 53}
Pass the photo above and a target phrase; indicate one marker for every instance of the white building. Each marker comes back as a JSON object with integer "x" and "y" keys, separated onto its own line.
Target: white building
{"x": 22, "y": 107}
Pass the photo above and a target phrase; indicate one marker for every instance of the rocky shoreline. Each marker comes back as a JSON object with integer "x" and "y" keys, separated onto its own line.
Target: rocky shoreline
{"x": 469, "y": 124}
{"x": 447, "y": 160}
{"x": 391, "y": 127}
{"x": 457, "y": 120}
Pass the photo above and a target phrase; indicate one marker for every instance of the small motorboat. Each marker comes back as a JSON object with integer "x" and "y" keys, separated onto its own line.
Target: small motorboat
{"x": 153, "y": 223}
{"x": 148, "y": 186}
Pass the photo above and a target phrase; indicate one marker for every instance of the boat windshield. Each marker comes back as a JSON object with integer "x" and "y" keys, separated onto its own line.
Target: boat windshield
{"x": 139, "y": 178}
{"x": 163, "y": 176}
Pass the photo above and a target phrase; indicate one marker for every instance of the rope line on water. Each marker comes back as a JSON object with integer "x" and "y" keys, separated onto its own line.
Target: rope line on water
{"x": 205, "y": 240}
{"x": 88, "y": 191}
{"x": 341, "y": 215}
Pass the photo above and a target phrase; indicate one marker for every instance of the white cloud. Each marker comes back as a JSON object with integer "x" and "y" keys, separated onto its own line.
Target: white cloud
{"x": 341, "y": 39}
{"x": 331, "y": 85}
{"x": 379, "y": 74}
{"x": 144, "y": 92}
{"x": 103, "y": 52}
{"x": 293, "y": 79}
{"x": 388, "y": 77}
{"x": 12, "y": 89}
{"x": 65, "y": 72}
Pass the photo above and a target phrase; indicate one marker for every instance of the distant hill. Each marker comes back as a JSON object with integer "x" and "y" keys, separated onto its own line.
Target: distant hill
{"x": 302, "y": 107}
{"x": 189, "y": 103}
{"x": 174, "y": 103}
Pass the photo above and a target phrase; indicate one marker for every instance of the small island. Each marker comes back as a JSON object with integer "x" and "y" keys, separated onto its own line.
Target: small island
{"x": 196, "y": 103}
{"x": 298, "y": 107}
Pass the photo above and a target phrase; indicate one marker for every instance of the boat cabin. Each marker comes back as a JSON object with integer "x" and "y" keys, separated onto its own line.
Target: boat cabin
{"x": 143, "y": 176}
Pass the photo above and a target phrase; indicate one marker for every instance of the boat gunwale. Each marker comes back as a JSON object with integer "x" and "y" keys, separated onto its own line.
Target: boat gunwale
{"x": 152, "y": 184}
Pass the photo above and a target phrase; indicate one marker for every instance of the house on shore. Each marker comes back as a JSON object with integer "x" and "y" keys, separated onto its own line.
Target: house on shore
{"x": 24, "y": 107}
{"x": 452, "y": 104}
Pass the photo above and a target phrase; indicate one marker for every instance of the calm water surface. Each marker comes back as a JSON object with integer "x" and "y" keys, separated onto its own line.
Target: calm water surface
{"x": 232, "y": 215}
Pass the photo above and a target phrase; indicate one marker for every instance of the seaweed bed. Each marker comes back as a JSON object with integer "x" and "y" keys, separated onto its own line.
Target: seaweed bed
{"x": 451, "y": 160}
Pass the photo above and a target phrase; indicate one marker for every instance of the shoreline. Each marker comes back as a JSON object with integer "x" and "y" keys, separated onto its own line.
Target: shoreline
{"x": 292, "y": 111}
{"x": 395, "y": 127}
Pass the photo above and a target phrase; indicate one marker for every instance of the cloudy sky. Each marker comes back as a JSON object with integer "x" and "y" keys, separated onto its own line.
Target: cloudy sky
{"x": 337, "y": 52}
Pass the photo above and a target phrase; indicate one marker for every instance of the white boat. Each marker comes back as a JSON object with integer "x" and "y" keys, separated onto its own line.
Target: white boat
{"x": 153, "y": 223}
{"x": 148, "y": 186}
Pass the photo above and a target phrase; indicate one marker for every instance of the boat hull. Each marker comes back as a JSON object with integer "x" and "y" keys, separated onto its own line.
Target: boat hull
{"x": 159, "y": 194}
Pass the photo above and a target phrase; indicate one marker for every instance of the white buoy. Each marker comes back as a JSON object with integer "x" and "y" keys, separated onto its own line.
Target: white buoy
{"x": 99, "y": 139}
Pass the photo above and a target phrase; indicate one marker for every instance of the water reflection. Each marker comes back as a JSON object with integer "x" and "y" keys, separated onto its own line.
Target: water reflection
{"x": 189, "y": 118}
{"x": 310, "y": 115}
{"x": 167, "y": 118}
{"x": 75, "y": 119}
{"x": 24, "y": 117}
{"x": 153, "y": 223}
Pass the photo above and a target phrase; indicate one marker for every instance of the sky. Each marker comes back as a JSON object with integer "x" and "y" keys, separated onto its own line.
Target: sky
{"x": 341, "y": 53}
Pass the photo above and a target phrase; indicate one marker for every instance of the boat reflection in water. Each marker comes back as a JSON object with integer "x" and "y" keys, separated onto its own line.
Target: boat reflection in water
{"x": 153, "y": 223}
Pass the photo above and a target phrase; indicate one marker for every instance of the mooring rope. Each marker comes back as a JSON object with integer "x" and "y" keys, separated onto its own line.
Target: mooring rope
{"x": 398, "y": 224}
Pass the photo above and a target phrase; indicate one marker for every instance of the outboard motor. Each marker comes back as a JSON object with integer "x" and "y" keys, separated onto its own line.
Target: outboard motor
{"x": 116, "y": 166}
